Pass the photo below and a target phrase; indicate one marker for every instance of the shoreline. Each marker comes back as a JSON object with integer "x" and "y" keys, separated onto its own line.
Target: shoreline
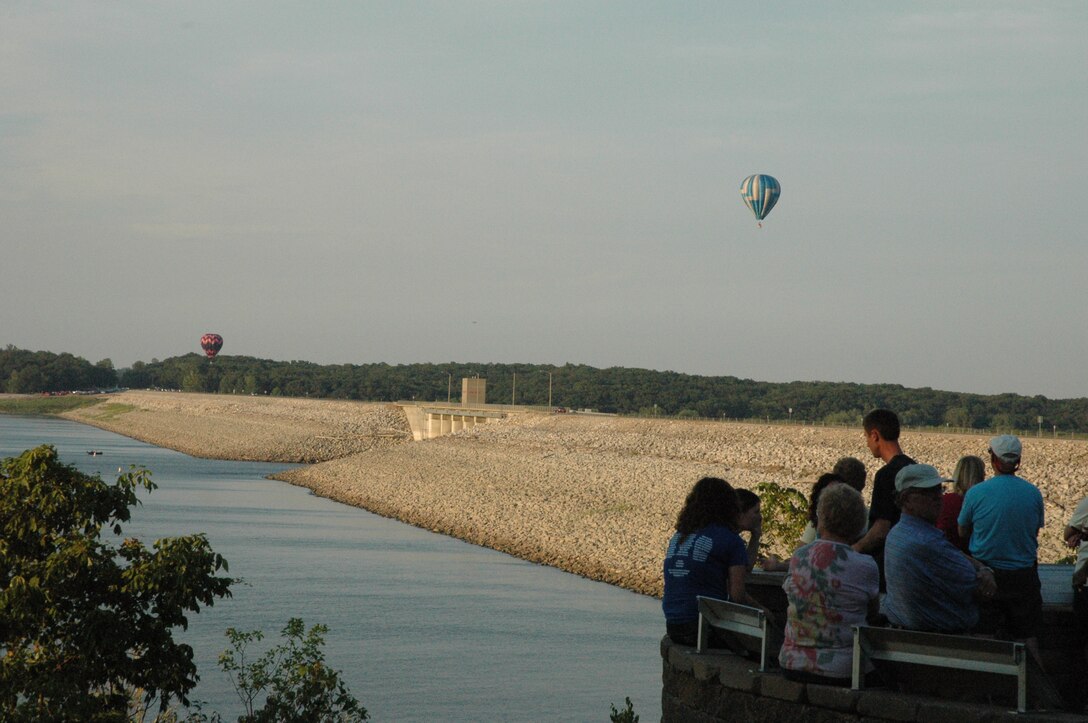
{"x": 595, "y": 496}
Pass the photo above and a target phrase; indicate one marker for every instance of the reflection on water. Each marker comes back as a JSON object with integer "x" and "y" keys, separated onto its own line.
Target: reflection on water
{"x": 423, "y": 626}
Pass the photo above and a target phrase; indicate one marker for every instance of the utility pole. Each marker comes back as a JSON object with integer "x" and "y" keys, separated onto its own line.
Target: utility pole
{"x": 513, "y": 388}
{"x": 549, "y": 391}
{"x": 449, "y": 387}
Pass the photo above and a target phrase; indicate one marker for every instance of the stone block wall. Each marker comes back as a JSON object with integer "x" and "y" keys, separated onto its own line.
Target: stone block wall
{"x": 719, "y": 686}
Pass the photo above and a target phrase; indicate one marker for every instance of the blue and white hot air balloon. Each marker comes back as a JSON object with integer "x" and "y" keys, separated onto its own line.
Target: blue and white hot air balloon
{"x": 760, "y": 193}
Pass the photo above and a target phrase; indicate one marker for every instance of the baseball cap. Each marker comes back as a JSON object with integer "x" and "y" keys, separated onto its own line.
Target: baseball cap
{"x": 1006, "y": 447}
{"x": 921, "y": 476}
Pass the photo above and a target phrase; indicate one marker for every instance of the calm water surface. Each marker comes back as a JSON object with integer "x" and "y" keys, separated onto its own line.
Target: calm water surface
{"x": 424, "y": 627}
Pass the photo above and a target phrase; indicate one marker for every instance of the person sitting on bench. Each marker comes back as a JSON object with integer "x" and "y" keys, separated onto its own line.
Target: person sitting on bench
{"x": 830, "y": 588}
{"x": 932, "y": 584}
{"x": 705, "y": 557}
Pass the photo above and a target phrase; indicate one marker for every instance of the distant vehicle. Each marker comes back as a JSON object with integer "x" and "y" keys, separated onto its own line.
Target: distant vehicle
{"x": 760, "y": 193}
{"x": 94, "y": 452}
{"x": 211, "y": 344}
{"x": 560, "y": 410}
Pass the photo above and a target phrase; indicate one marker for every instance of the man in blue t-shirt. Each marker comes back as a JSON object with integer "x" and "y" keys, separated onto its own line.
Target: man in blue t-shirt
{"x": 1002, "y": 517}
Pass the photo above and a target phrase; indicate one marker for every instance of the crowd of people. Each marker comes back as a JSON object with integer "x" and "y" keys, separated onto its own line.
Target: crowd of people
{"x": 961, "y": 561}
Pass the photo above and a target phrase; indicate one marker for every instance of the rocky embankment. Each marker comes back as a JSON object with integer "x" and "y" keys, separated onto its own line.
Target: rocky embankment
{"x": 594, "y": 495}
{"x": 249, "y": 428}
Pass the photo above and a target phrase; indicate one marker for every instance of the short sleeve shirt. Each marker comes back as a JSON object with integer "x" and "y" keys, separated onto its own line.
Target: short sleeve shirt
{"x": 829, "y": 588}
{"x": 698, "y": 564}
{"x": 884, "y": 507}
{"x": 1005, "y": 514}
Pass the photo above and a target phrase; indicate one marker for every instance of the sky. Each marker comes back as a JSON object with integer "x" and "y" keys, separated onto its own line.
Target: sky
{"x": 554, "y": 182}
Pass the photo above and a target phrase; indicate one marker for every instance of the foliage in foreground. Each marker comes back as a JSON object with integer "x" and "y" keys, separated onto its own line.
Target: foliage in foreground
{"x": 785, "y": 513}
{"x": 83, "y": 622}
{"x": 299, "y": 687}
{"x": 627, "y": 715}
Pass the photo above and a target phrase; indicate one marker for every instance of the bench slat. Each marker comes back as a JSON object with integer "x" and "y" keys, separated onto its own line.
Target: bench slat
{"x": 943, "y": 651}
{"x": 738, "y": 619}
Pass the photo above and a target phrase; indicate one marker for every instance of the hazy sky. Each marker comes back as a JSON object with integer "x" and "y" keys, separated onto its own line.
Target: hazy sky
{"x": 554, "y": 182}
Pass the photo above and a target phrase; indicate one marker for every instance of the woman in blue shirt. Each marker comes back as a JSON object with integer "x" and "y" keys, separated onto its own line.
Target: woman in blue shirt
{"x": 705, "y": 557}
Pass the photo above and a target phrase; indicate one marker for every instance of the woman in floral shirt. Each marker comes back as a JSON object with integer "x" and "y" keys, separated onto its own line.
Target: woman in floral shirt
{"x": 830, "y": 588}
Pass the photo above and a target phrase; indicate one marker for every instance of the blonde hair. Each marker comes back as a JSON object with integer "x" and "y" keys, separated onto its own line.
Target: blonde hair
{"x": 970, "y": 470}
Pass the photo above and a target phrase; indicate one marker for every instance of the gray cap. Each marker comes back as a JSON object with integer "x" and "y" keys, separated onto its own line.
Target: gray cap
{"x": 1006, "y": 447}
{"x": 922, "y": 476}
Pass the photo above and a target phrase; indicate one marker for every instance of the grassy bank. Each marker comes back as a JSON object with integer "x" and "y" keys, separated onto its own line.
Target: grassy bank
{"x": 36, "y": 406}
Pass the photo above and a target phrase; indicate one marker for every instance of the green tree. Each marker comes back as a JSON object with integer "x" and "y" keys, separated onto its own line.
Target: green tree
{"x": 86, "y": 624}
{"x": 958, "y": 417}
{"x": 193, "y": 381}
{"x": 299, "y": 687}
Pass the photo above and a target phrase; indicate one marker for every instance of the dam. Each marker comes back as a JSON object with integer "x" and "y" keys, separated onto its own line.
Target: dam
{"x": 428, "y": 421}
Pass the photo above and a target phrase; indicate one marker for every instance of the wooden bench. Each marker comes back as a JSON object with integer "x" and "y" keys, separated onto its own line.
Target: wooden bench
{"x": 956, "y": 652}
{"x": 746, "y": 626}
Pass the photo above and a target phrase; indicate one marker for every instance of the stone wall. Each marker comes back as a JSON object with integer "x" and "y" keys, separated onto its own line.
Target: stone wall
{"x": 720, "y": 686}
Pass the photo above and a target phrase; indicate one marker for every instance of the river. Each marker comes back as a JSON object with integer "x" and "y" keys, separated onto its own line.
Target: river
{"x": 424, "y": 627}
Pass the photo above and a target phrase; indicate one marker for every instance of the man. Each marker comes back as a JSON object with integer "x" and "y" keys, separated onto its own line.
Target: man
{"x": 1076, "y": 536}
{"x": 882, "y": 437}
{"x": 932, "y": 585}
{"x": 1002, "y": 517}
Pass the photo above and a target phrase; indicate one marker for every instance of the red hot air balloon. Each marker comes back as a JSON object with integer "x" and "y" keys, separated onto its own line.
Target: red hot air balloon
{"x": 211, "y": 344}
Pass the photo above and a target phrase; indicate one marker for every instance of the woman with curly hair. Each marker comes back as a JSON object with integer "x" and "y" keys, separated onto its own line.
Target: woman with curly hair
{"x": 705, "y": 557}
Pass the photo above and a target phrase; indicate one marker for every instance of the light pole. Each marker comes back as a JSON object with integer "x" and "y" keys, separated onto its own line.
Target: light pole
{"x": 550, "y": 391}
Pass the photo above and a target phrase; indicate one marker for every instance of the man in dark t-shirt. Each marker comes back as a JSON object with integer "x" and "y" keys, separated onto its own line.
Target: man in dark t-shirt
{"x": 882, "y": 437}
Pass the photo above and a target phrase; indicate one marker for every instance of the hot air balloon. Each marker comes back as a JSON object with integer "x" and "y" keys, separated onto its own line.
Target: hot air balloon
{"x": 760, "y": 193}
{"x": 211, "y": 344}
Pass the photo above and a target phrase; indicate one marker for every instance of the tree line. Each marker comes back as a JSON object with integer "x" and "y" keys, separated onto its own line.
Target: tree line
{"x": 35, "y": 372}
{"x": 619, "y": 390}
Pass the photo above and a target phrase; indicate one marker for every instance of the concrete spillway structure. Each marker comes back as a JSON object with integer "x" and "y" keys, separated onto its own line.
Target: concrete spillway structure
{"x": 430, "y": 421}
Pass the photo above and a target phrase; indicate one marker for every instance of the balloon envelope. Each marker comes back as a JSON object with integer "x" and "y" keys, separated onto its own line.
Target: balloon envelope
{"x": 211, "y": 344}
{"x": 760, "y": 193}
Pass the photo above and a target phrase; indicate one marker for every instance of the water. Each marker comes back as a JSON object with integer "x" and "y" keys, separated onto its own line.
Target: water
{"x": 424, "y": 627}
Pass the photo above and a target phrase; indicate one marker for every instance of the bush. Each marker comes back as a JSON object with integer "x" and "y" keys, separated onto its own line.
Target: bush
{"x": 785, "y": 513}
{"x": 627, "y": 715}
{"x": 85, "y": 625}
{"x": 300, "y": 688}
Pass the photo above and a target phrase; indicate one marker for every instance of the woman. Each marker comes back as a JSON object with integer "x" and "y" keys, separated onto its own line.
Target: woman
{"x": 830, "y": 588}
{"x": 705, "y": 557}
{"x": 809, "y": 533}
{"x": 750, "y": 520}
{"x": 969, "y": 472}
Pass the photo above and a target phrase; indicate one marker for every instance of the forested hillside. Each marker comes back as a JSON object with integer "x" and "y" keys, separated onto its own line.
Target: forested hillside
{"x": 33, "y": 372}
{"x": 577, "y": 386}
